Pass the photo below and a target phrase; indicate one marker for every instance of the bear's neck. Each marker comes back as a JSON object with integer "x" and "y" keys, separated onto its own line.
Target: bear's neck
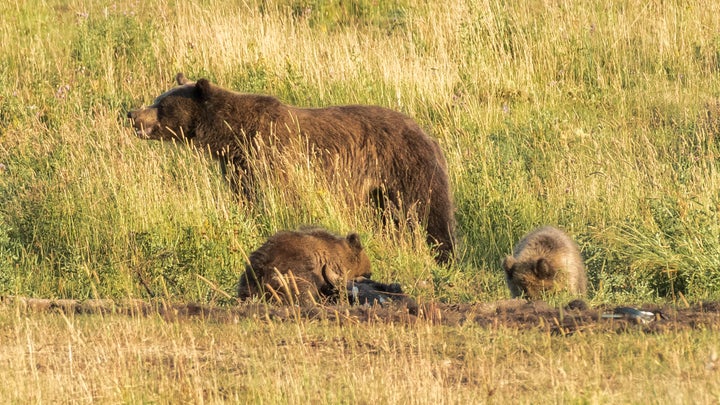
{"x": 230, "y": 121}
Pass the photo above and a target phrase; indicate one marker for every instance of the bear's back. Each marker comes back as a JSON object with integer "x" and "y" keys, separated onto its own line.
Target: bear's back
{"x": 295, "y": 251}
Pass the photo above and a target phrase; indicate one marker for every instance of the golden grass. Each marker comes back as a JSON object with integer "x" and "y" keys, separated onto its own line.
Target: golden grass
{"x": 109, "y": 359}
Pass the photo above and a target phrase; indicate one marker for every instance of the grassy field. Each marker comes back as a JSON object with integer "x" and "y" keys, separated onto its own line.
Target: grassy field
{"x": 601, "y": 118}
{"x": 53, "y": 358}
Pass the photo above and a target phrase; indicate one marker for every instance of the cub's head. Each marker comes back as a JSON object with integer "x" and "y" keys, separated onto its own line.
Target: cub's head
{"x": 175, "y": 113}
{"x": 529, "y": 278}
{"x": 357, "y": 261}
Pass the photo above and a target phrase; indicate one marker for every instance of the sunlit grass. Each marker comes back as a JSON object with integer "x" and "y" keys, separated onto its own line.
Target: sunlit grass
{"x": 57, "y": 358}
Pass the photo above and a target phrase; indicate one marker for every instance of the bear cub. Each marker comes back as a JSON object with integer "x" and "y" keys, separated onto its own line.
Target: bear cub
{"x": 319, "y": 261}
{"x": 546, "y": 259}
{"x": 375, "y": 154}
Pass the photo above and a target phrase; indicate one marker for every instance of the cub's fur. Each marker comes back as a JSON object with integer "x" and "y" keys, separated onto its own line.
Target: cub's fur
{"x": 546, "y": 259}
{"x": 318, "y": 261}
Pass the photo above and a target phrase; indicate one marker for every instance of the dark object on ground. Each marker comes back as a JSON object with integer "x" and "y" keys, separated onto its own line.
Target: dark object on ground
{"x": 634, "y": 314}
{"x": 369, "y": 292}
{"x": 577, "y": 304}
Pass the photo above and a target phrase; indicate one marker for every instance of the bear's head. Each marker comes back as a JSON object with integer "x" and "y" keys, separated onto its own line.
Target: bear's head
{"x": 358, "y": 261}
{"x": 529, "y": 278}
{"x": 174, "y": 114}
{"x": 348, "y": 258}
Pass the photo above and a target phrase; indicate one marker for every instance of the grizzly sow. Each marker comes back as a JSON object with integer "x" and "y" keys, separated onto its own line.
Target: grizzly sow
{"x": 546, "y": 259}
{"x": 318, "y": 261}
{"x": 376, "y": 154}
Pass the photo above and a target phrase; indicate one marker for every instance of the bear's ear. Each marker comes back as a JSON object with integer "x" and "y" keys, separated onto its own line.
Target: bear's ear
{"x": 181, "y": 79}
{"x": 203, "y": 88}
{"x": 326, "y": 277}
{"x": 354, "y": 241}
{"x": 508, "y": 264}
{"x": 543, "y": 269}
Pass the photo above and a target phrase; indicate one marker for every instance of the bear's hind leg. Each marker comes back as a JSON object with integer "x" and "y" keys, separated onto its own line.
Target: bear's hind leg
{"x": 440, "y": 232}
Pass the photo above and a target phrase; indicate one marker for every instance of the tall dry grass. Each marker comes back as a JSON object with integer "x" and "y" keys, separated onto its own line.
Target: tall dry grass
{"x": 110, "y": 359}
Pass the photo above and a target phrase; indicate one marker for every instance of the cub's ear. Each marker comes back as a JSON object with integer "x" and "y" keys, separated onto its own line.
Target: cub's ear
{"x": 508, "y": 264}
{"x": 543, "y": 269}
{"x": 326, "y": 277}
{"x": 204, "y": 88}
{"x": 354, "y": 241}
{"x": 181, "y": 79}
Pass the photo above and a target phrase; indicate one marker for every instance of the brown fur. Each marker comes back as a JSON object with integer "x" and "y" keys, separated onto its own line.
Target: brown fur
{"x": 381, "y": 155}
{"x": 546, "y": 259}
{"x": 318, "y": 260}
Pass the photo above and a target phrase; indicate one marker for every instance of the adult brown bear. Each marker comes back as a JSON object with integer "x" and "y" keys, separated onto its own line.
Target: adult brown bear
{"x": 375, "y": 153}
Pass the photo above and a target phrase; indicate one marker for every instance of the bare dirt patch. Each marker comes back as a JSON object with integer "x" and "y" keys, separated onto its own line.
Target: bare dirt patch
{"x": 516, "y": 313}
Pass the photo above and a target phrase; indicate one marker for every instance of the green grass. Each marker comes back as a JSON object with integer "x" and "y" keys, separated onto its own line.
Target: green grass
{"x": 601, "y": 118}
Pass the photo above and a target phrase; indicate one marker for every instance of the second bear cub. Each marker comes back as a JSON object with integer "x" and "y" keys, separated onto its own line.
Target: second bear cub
{"x": 546, "y": 259}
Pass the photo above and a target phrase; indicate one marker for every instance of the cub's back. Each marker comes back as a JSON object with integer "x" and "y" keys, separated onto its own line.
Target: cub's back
{"x": 547, "y": 240}
{"x": 559, "y": 250}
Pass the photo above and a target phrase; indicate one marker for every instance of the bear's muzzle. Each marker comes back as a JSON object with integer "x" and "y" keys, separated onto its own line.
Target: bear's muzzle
{"x": 144, "y": 121}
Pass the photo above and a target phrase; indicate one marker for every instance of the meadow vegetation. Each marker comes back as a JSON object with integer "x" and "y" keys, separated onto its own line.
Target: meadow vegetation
{"x": 601, "y": 118}
{"x": 117, "y": 359}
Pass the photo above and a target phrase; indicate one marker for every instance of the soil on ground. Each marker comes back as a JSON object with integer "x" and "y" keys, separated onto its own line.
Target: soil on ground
{"x": 574, "y": 317}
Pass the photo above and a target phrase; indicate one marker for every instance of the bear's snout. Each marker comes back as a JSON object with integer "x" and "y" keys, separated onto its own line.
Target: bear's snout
{"x": 145, "y": 121}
